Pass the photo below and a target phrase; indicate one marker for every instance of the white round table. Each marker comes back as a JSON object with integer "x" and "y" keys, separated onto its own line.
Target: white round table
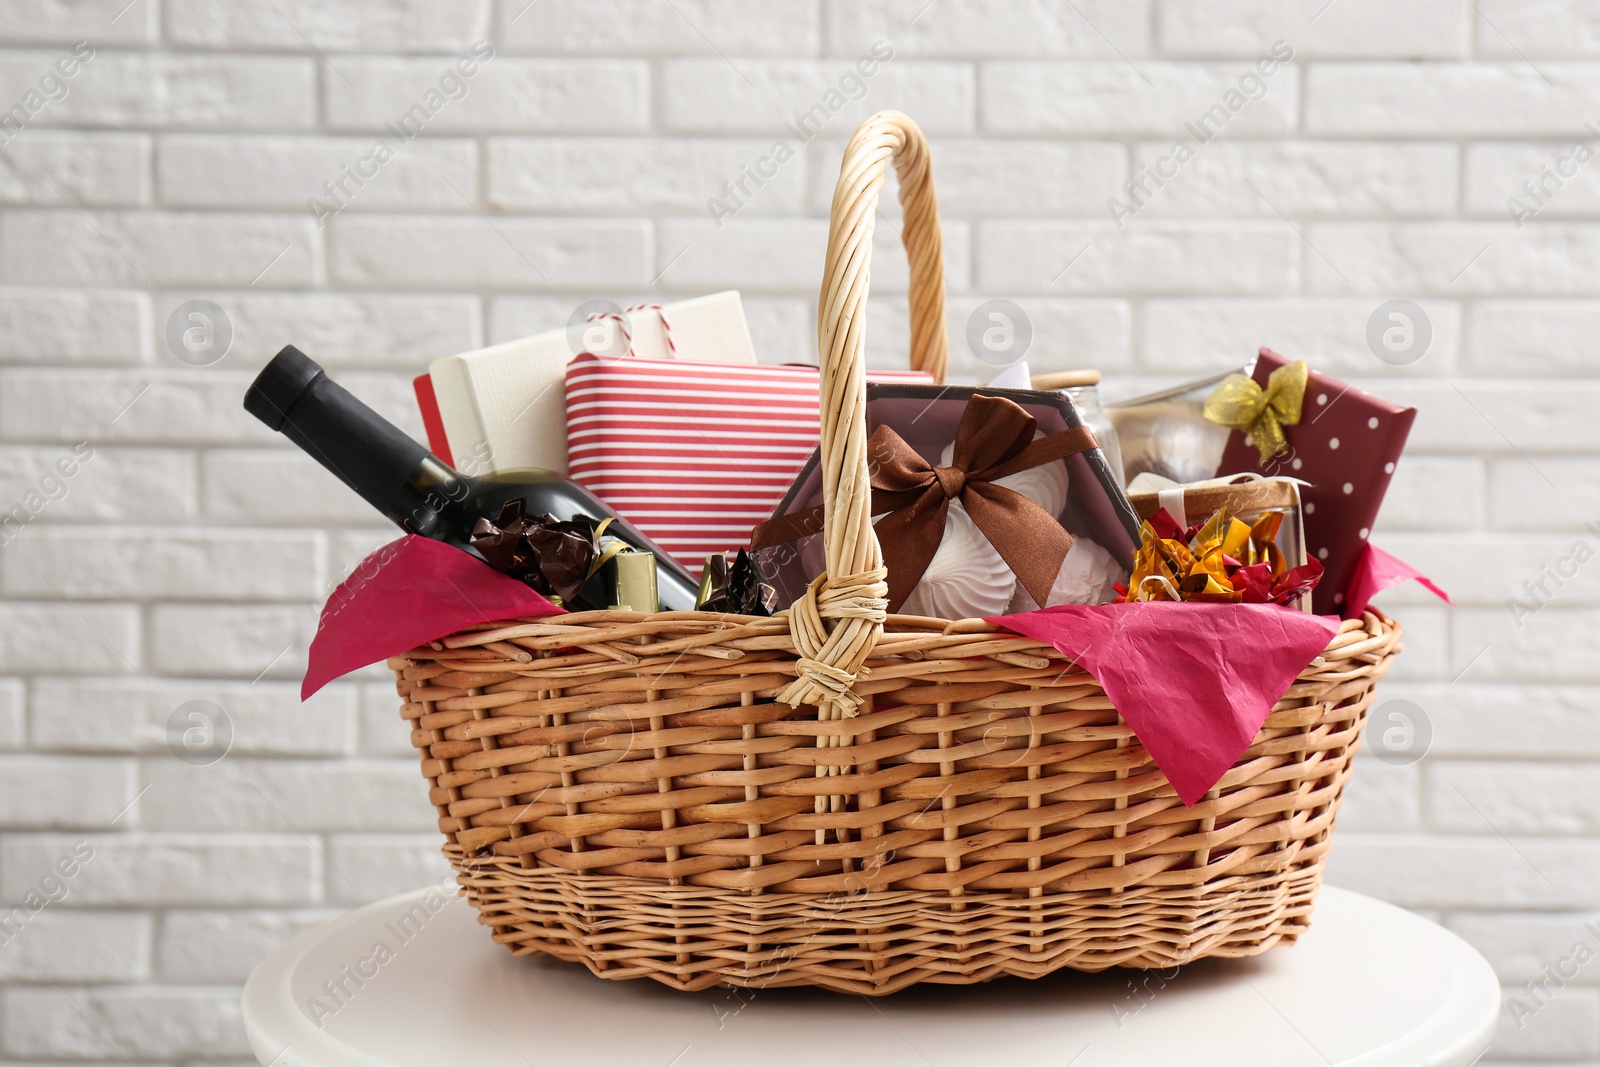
{"x": 1369, "y": 986}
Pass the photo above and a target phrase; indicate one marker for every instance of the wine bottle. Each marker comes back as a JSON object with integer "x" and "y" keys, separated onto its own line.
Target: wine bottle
{"x": 417, "y": 490}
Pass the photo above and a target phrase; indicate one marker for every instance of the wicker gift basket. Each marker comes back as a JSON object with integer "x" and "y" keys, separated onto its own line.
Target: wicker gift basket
{"x": 836, "y": 798}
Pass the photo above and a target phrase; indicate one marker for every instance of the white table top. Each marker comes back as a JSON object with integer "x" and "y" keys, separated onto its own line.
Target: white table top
{"x": 1371, "y": 985}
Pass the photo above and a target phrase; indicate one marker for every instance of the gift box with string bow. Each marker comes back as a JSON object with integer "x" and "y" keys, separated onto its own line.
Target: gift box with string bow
{"x": 1290, "y": 420}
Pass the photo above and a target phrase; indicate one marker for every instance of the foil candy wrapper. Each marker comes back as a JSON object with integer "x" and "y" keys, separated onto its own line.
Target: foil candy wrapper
{"x": 734, "y": 588}
{"x": 551, "y": 556}
{"x": 1221, "y": 560}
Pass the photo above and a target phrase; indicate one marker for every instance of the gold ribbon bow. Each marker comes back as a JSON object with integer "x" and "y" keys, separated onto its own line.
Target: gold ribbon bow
{"x": 1261, "y": 413}
{"x": 995, "y": 440}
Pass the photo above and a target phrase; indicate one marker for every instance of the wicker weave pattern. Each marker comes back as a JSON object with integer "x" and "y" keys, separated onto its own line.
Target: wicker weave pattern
{"x": 636, "y": 784}
{"x": 840, "y": 617}
{"x": 837, "y": 799}
{"x": 619, "y": 928}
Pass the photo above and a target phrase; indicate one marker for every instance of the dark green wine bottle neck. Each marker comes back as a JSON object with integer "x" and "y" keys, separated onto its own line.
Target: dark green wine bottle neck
{"x": 371, "y": 455}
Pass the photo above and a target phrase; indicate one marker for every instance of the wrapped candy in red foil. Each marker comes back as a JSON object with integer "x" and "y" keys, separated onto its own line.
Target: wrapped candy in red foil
{"x": 1221, "y": 559}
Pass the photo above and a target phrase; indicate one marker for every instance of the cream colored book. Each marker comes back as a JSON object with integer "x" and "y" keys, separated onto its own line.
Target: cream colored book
{"x": 505, "y": 406}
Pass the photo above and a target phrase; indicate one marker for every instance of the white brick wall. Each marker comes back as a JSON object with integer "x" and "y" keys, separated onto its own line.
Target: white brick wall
{"x": 185, "y": 558}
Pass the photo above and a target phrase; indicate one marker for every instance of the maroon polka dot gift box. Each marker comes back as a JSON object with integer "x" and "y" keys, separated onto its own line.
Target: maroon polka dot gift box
{"x": 1346, "y": 445}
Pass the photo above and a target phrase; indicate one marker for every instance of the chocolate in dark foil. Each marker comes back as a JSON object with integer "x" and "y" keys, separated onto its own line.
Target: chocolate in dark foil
{"x": 552, "y": 556}
{"x": 736, "y": 588}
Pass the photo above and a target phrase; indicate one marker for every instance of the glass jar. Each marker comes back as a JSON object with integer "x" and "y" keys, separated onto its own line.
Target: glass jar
{"x": 1086, "y": 398}
{"x": 1082, "y": 387}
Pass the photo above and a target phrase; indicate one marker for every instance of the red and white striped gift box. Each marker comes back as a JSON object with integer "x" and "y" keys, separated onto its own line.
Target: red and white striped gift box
{"x": 693, "y": 454}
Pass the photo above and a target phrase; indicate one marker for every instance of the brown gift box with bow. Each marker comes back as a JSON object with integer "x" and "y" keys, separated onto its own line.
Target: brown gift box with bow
{"x": 994, "y": 434}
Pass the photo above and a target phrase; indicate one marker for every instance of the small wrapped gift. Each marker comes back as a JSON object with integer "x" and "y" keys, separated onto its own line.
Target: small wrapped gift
{"x": 987, "y": 501}
{"x": 1345, "y": 443}
{"x": 499, "y": 407}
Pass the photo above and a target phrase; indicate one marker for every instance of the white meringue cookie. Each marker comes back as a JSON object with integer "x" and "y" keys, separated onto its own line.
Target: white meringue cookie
{"x": 966, "y": 578}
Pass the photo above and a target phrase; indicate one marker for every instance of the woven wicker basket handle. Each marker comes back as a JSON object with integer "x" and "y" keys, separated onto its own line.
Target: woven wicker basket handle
{"x": 840, "y": 618}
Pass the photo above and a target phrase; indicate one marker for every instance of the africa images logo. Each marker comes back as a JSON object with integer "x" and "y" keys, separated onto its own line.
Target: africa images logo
{"x": 453, "y": 84}
{"x": 1250, "y": 87}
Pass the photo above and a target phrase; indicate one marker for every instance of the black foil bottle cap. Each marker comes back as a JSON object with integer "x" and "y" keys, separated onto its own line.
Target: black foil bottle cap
{"x": 282, "y": 382}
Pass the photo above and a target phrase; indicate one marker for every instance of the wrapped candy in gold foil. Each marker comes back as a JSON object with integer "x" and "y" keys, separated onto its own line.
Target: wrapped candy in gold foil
{"x": 1221, "y": 559}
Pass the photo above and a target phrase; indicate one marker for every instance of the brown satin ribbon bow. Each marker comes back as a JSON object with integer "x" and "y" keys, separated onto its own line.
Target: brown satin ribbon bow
{"x": 994, "y": 441}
